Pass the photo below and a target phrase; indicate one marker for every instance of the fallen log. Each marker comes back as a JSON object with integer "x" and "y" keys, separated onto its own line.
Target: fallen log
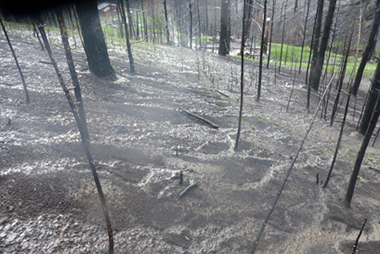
{"x": 211, "y": 124}
{"x": 44, "y": 62}
{"x": 187, "y": 189}
{"x": 376, "y": 169}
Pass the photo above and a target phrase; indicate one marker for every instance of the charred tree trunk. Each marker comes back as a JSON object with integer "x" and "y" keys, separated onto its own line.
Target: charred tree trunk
{"x": 371, "y": 126}
{"x": 74, "y": 78}
{"x": 261, "y": 50}
{"x": 224, "y": 42}
{"x": 271, "y": 33}
{"x": 200, "y": 27}
{"x": 371, "y": 44}
{"x": 317, "y": 71}
{"x": 119, "y": 20}
{"x": 191, "y": 24}
{"x": 317, "y": 34}
{"x": 130, "y": 21}
{"x": 284, "y": 5}
{"x": 130, "y": 56}
{"x": 166, "y": 24}
{"x": 144, "y": 21}
{"x": 304, "y": 34}
{"x": 248, "y": 18}
{"x": 241, "y": 78}
{"x": 85, "y": 141}
{"x": 94, "y": 42}
{"x": 18, "y": 66}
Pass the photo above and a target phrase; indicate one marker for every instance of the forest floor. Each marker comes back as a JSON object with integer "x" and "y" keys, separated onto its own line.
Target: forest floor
{"x": 141, "y": 140}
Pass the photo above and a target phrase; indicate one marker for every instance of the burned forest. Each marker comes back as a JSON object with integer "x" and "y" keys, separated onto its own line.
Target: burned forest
{"x": 190, "y": 126}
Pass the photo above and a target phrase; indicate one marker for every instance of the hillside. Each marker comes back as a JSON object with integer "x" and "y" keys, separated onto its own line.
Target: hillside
{"x": 142, "y": 138}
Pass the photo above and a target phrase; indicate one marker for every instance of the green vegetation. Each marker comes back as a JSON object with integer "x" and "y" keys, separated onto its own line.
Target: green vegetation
{"x": 293, "y": 57}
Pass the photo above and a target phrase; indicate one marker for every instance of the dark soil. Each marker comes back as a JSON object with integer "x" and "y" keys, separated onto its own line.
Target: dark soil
{"x": 141, "y": 140}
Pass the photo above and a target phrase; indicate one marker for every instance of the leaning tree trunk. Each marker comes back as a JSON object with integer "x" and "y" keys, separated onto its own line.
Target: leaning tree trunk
{"x": 368, "y": 49}
{"x": 371, "y": 103}
{"x": 94, "y": 42}
{"x": 224, "y": 42}
{"x": 18, "y": 66}
{"x": 374, "y": 98}
{"x": 317, "y": 71}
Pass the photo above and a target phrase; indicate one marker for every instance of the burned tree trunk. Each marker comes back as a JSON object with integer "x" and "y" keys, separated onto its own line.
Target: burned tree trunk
{"x": 248, "y": 18}
{"x": 224, "y": 42}
{"x": 304, "y": 34}
{"x": 317, "y": 34}
{"x": 368, "y": 49}
{"x": 263, "y": 47}
{"x": 371, "y": 126}
{"x": 317, "y": 68}
{"x": 18, "y": 66}
{"x": 130, "y": 56}
{"x": 241, "y": 79}
{"x": 191, "y": 25}
{"x": 271, "y": 32}
{"x": 94, "y": 42}
{"x": 166, "y": 24}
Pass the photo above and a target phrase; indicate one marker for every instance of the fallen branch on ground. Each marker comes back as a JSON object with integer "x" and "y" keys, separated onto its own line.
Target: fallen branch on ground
{"x": 45, "y": 62}
{"x": 374, "y": 168}
{"x": 137, "y": 42}
{"x": 211, "y": 124}
{"x": 187, "y": 189}
{"x": 357, "y": 239}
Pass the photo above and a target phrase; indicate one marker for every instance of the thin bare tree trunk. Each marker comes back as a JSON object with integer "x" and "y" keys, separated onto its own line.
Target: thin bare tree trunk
{"x": 241, "y": 78}
{"x": 261, "y": 50}
{"x": 130, "y": 56}
{"x": 18, "y": 66}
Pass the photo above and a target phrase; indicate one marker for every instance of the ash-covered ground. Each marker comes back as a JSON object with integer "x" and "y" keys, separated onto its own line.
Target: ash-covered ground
{"x": 141, "y": 140}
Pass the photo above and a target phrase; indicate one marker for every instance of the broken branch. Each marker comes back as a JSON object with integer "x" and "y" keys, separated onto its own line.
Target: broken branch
{"x": 137, "y": 41}
{"x": 187, "y": 189}
{"x": 211, "y": 124}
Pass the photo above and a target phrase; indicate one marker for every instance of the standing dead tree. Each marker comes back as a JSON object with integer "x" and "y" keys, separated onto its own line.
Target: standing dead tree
{"x": 191, "y": 24}
{"x": 317, "y": 68}
{"x": 129, "y": 49}
{"x": 374, "y": 93}
{"x": 371, "y": 44}
{"x": 225, "y": 28}
{"x": 304, "y": 34}
{"x": 74, "y": 78}
{"x": 271, "y": 32}
{"x": 82, "y": 131}
{"x": 262, "y": 50}
{"x": 166, "y": 23}
{"x": 284, "y": 5}
{"x": 241, "y": 76}
{"x": 18, "y": 66}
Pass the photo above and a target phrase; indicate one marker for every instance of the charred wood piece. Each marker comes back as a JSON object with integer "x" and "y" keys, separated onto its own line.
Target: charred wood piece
{"x": 208, "y": 122}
